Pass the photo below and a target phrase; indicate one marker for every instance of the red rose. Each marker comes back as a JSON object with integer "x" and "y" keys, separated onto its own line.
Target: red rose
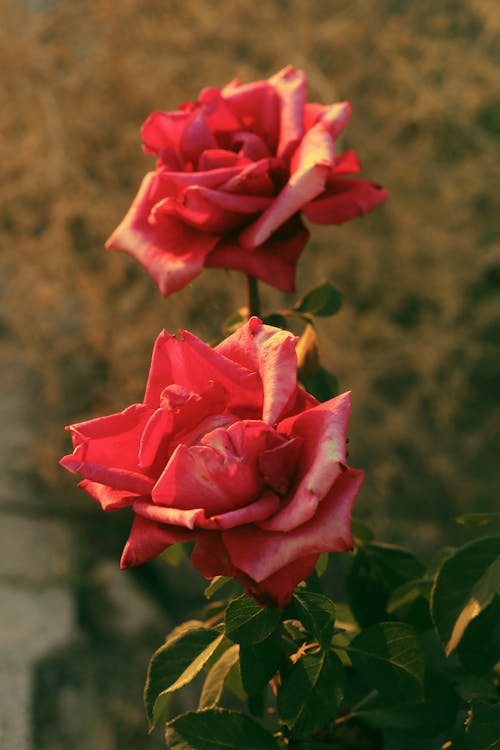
{"x": 234, "y": 171}
{"x": 228, "y": 451}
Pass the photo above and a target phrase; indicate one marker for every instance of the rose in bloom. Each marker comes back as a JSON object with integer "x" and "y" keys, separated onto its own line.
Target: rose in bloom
{"x": 234, "y": 172}
{"x": 228, "y": 451}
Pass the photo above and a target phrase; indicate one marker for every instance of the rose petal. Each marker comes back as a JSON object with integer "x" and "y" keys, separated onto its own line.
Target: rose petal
{"x": 172, "y": 184}
{"x": 259, "y": 510}
{"x": 207, "y": 425}
{"x": 112, "y": 440}
{"x": 312, "y": 113}
{"x": 197, "y": 477}
{"x": 310, "y": 166}
{"x": 344, "y": 200}
{"x": 249, "y": 145}
{"x": 191, "y": 362}
{"x": 335, "y": 117}
{"x": 212, "y": 210}
{"x": 273, "y": 262}
{"x": 215, "y": 159}
{"x": 186, "y": 519}
{"x": 186, "y": 132}
{"x": 218, "y": 114}
{"x": 154, "y": 436}
{"x": 257, "y": 178}
{"x": 270, "y": 352}
{"x": 250, "y": 437}
{"x": 196, "y": 138}
{"x": 163, "y": 129}
{"x": 261, "y": 554}
{"x": 109, "y": 498}
{"x": 181, "y": 411}
{"x": 257, "y": 106}
{"x": 220, "y": 473}
{"x": 302, "y": 401}
{"x": 210, "y": 556}
{"x": 231, "y": 202}
{"x": 172, "y": 252}
{"x": 277, "y": 465}
{"x": 168, "y": 159}
{"x": 291, "y": 87}
{"x": 323, "y": 430}
{"x": 316, "y": 150}
{"x": 345, "y": 163}
{"x": 120, "y": 479}
{"x": 106, "y": 450}
{"x": 148, "y": 539}
{"x": 277, "y": 590}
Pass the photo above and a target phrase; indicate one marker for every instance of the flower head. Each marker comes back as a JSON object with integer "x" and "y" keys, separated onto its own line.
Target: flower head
{"x": 235, "y": 170}
{"x": 228, "y": 451}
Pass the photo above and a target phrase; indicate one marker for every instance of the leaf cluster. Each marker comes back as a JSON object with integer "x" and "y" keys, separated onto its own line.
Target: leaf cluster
{"x": 413, "y": 653}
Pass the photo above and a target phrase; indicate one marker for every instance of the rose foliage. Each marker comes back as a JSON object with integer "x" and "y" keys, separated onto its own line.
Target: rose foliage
{"x": 235, "y": 170}
{"x": 228, "y": 451}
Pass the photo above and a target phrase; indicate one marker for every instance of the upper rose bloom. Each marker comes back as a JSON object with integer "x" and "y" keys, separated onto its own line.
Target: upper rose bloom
{"x": 234, "y": 171}
{"x": 228, "y": 451}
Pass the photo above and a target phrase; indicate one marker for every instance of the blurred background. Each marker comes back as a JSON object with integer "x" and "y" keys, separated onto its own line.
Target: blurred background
{"x": 416, "y": 339}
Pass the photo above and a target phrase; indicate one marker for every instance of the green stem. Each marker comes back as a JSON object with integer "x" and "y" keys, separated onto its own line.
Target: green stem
{"x": 253, "y": 296}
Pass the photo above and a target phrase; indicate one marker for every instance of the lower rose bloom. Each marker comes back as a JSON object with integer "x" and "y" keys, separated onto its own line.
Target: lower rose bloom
{"x": 228, "y": 451}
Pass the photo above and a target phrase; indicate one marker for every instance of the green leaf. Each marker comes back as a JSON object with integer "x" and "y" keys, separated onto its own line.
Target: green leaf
{"x": 294, "y": 635}
{"x": 482, "y": 728}
{"x": 215, "y": 679}
{"x": 345, "y": 618}
{"x": 234, "y": 683}
{"x": 311, "y": 692}
{"x": 217, "y": 729}
{"x": 390, "y": 659}
{"x": 314, "y": 745}
{"x": 247, "y": 622}
{"x": 410, "y": 603}
{"x": 215, "y": 584}
{"x": 360, "y": 532}
{"x": 376, "y": 571}
{"x": 464, "y": 585}
{"x": 173, "y": 555}
{"x": 322, "y": 301}
{"x": 317, "y": 613}
{"x": 322, "y": 384}
{"x": 259, "y": 662}
{"x": 276, "y": 320}
{"x": 471, "y": 687}
{"x": 479, "y": 649}
{"x": 322, "y": 564}
{"x": 409, "y": 592}
{"x": 436, "y": 713}
{"x": 478, "y": 519}
{"x": 176, "y": 663}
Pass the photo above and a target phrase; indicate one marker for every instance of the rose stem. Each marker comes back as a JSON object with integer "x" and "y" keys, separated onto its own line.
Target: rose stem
{"x": 253, "y": 296}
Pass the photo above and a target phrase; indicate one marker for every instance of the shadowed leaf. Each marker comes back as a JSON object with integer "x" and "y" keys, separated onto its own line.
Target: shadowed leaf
{"x": 217, "y": 729}
{"x": 464, "y": 585}
{"x": 390, "y": 659}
